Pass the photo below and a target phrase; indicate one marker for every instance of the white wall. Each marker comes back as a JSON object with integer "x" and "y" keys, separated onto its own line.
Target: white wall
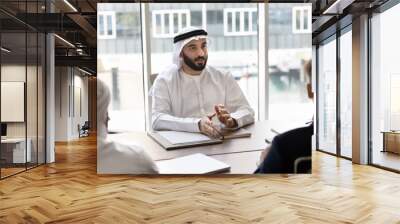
{"x": 70, "y": 83}
{"x": 61, "y": 103}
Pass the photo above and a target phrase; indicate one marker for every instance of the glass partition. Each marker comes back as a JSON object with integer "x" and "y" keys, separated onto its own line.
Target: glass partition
{"x": 31, "y": 98}
{"x": 22, "y": 90}
{"x": 346, "y": 93}
{"x": 41, "y": 97}
{"x": 14, "y": 154}
{"x": 385, "y": 89}
{"x": 327, "y": 96}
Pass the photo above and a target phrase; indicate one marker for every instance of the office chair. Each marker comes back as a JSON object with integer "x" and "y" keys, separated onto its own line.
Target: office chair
{"x": 84, "y": 130}
{"x": 302, "y": 165}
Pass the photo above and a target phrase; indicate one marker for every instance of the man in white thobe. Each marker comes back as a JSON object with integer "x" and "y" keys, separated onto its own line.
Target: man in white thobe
{"x": 189, "y": 93}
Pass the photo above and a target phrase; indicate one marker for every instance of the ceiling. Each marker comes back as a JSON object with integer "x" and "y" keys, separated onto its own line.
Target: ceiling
{"x": 76, "y": 25}
{"x": 331, "y": 15}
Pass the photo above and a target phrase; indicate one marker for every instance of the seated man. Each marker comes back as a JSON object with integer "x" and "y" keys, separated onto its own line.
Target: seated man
{"x": 114, "y": 157}
{"x": 289, "y": 146}
{"x": 189, "y": 93}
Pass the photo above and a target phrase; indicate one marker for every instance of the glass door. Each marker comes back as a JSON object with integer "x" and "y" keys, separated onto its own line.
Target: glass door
{"x": 385, "y": 89}
{"x": 326, "y": 136}
{"x": 346, "y": 92}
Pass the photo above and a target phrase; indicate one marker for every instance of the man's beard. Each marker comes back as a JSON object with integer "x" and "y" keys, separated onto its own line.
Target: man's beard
{"x": 192, "y": 63}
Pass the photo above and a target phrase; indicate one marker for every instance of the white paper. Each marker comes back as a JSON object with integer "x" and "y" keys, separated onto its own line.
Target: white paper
{"x": 282, "y": 128}
{"x": 177, "y": 137}
{"x": 193, "y": 164}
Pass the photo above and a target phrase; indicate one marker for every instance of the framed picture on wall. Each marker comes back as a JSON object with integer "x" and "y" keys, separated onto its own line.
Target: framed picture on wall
{"x": 12, "y": 101}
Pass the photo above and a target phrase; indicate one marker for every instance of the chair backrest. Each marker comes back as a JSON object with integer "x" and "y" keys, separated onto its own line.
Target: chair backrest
{"x": 86, "y": 125}
{"x": 150, "y": 99}
{"x": 152, "y": 78}
{"x": 306, "y": 165}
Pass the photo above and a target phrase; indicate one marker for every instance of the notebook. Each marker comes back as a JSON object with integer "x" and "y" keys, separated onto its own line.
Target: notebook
{"x": 177, "y": 139}
{"x": 192, "y": 164}
{"x": 170, "y": 140}
{"x": 235, "y": 133}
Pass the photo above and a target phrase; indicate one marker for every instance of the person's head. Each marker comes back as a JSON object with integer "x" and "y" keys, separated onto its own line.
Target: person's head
{"x": 190, "y": 50}
{"x": 307, "y": 70}
{"x": 194, "y": 55}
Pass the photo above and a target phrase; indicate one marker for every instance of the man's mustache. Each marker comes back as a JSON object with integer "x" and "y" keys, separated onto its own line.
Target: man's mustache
{"x": 198, "y": 58}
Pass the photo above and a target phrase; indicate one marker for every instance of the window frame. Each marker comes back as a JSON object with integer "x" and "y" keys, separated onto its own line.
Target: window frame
{"x": 241, "y": 31}
{"x": 337, "y": 38}
{"x": 371, "y": 76}
{"x": 295, "y": 11}
{"x": 170, "y": 29}
{"x": 105, "y": 15}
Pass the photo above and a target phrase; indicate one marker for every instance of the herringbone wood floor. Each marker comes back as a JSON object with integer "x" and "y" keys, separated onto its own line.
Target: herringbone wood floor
{"x": 69, "y": 191}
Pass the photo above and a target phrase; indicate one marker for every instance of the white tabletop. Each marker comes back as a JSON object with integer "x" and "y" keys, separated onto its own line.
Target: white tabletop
{"x": 242, "y": 153}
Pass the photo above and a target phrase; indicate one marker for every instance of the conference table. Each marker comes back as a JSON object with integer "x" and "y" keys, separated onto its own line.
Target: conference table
{"x": 242, "y": 154}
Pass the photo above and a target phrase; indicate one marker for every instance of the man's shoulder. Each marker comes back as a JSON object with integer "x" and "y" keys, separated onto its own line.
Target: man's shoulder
{"x": 217, "y": 71}
{"x": 168, "y": 73}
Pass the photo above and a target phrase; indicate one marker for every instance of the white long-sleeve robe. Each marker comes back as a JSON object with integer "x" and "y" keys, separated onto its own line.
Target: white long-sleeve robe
{"x": 179, "y": 100}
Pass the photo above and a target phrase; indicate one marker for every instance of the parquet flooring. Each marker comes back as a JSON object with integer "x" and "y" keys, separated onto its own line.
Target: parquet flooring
{"x": 10, "y": 171}
{"x": 70, "y": 191}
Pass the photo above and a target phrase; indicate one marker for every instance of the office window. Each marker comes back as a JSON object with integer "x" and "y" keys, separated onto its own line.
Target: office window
{"x": 346, "y": 94}
{"x": 236, "y": 54}
{"x": 106, "y": 25}
{"x": 119, "y": 63}
{"x": 287, "y": 54}
{"x": 395, "y": 101}
{"x": 301, "y": 19}
{"x": 240, "y": 21}
{"x": 167, "y": 23}
{"x": 215, "y": 16}
{"x": 327, "y": 96}
{"x": 22, "y": 94}
{"x": 128, "y": 25}
{"x": 385, "y": 89}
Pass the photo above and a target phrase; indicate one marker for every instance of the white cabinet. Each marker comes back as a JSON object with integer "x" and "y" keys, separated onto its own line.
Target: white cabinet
{"x": 17, "y": 147}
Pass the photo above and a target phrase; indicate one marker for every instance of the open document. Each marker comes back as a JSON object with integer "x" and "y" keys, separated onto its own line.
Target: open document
{"x": 192, "y": 164}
